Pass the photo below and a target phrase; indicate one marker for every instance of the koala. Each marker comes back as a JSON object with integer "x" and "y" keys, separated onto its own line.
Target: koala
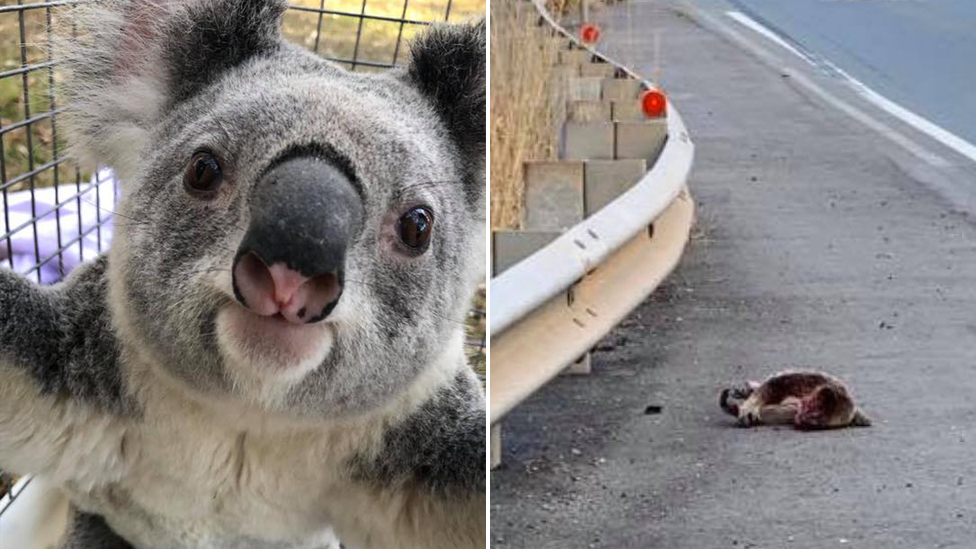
{"x": 271, "y": 353}
{"x": 806, "y": 400}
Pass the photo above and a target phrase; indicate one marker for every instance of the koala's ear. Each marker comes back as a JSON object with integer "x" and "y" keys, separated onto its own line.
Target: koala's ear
{"x": 127, "y": 62}
{"x": 448, "y": 66}
{"x": 216, "y": 35}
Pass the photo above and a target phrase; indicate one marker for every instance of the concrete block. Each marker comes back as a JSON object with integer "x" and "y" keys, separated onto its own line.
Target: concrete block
{"x": 605, "y": 180}
{"x": 553, "y": 195}
{"x": 556, "y": 43}
{"x": 508, "y": 246}
{"x": 641, "y": 139}
{"x": 496, "y": 445}
{"x": 559, "y": 84}
{"x": 583, "y": 88}
{"x": 561, "y": 74}
{"x": 574, "y": 57}
{"x": 589, "y": 140}
{"x": 604, "y": 70}
{"x": 628, "y": 111}
{"x": 621, "y": 89}
{"x": 590, "y": 110}
{"x": 583, "y": 366}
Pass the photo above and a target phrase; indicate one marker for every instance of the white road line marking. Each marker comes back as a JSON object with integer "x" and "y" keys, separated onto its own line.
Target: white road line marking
{"x": 871, "y": 122}
{"x": 921, "y": 124}
{"x": 747, "y": 21}
{"x": 857, "y": 114}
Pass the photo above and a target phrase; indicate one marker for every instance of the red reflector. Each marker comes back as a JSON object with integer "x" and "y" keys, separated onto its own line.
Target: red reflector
{"x": 654, "y": 103}
{"x": 589, "y": 33}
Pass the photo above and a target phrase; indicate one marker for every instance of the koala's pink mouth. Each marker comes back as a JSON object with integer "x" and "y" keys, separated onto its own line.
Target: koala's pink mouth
{"x": 272, "y": 341}
{"x": 281, "y": 292}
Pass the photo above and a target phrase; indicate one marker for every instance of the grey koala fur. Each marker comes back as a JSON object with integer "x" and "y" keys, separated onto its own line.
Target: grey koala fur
{"x": 130, "y": 384}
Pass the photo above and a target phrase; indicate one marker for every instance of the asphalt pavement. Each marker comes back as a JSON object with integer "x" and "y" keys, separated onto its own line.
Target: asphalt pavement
{"x": 824, "y": 240}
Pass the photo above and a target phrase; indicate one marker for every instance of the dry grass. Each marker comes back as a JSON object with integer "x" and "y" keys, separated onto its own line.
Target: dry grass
{"x": 336, "y": 34}
{"x": 527, "y": 104}
{"x": 562, "y": 8}
{"x": 31, "y": 146}
{"x": 474, "y": 331}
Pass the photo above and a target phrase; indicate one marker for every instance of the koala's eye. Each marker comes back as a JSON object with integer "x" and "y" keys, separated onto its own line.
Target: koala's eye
{"x": 414, "y": 228}
{"x": 203, "y": 175}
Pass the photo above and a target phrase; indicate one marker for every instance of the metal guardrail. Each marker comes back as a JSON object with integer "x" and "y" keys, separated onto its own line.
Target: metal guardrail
{"x": 553, "y": 306}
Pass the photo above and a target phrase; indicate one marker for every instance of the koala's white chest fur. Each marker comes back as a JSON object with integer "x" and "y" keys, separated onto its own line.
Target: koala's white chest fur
{"x": 188, "y": 479}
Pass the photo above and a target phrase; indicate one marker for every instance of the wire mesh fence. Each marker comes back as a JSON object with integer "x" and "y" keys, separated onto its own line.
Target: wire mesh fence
{"x": 56, "y": 214}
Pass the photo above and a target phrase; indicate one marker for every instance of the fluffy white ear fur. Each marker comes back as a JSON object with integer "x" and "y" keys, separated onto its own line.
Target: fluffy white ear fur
{"x": 114, "y": 81}
{"x": 115, "y": 133}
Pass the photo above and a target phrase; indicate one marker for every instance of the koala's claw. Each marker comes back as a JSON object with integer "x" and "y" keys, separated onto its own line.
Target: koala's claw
{"x": 749, "y": 419}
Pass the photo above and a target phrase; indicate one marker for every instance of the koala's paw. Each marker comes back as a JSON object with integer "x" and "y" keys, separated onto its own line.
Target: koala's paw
{"x": 749, "y": 418}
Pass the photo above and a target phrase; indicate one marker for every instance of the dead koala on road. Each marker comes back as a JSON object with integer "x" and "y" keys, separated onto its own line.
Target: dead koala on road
{"x": 806, "y": 400}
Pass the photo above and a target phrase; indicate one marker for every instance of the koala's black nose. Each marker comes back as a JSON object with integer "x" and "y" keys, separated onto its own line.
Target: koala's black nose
{"x": 305, "y": 212}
